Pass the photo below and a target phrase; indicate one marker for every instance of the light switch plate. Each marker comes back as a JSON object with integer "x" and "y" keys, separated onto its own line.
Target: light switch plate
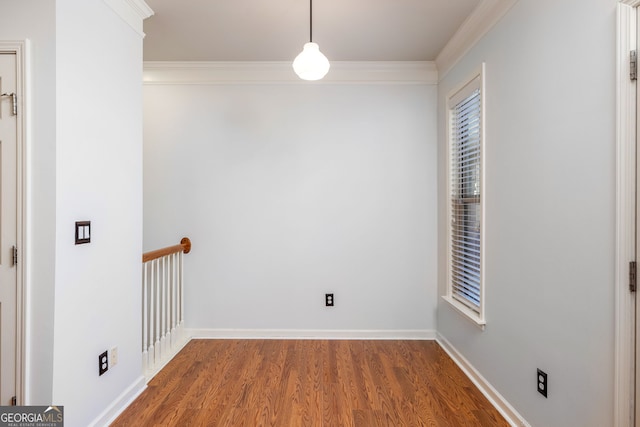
{"x": 83, "y": 232}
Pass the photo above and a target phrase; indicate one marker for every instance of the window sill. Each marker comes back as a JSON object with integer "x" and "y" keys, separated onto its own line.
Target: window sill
{"x": 466, "y": 312}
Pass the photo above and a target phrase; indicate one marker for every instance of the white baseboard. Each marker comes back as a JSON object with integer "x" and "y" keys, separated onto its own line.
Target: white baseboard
{"x": 412, "y": 334}
{"x": 120, "y": 403}
{"x": 497, "y": 400}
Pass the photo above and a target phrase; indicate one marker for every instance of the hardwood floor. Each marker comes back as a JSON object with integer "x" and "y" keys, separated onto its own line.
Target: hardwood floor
{"x": 311, "y": 383}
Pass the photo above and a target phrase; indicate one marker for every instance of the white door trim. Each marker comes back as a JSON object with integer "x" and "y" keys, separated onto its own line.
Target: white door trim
{"x": 625, "y": 217}
{"x": 20, "y": 49}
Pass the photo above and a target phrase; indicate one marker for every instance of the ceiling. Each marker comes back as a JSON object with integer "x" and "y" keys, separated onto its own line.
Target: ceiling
{"x": 275, "y": 30}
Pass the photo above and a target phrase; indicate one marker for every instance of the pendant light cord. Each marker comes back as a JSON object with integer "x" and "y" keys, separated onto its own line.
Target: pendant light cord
{"x": 310, "y": 21}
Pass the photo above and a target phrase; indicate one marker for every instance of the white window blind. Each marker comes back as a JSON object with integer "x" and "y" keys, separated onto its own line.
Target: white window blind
{"x": 465, "y": 207}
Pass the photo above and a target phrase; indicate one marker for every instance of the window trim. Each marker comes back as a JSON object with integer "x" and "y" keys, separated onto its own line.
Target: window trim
{"x": 460, "y": 92}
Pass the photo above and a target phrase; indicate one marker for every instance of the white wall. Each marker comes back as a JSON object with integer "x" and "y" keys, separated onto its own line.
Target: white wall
{"x": 550, "y": 197}
{"x": 290, "y": 191}
{"x": 85, "y": 122}
{"x": 35, "y": 20}
{"x": 98, "y": 178}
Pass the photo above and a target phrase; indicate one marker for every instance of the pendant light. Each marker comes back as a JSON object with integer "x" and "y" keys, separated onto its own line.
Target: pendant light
{"x": 311, "y": 64}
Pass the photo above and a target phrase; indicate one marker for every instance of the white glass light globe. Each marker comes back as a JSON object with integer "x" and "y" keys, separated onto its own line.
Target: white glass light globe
{"x": 311, "y": 64}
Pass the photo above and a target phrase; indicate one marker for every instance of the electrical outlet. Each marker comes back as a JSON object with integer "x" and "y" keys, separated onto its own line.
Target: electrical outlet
{"x": 113, "y": 357}
{"x": 103, "y": 363}
{"x": 543, "y": 384}
{"x": 328, "y": 300}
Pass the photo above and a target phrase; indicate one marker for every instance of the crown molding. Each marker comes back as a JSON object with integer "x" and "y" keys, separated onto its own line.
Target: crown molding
{"x": 133, "y": 12}
{"x": 632, "y": 3}
{"x": 481, "y": 20}
{"x": 385, "y": 72}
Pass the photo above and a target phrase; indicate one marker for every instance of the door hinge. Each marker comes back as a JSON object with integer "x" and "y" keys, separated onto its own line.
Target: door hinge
{"x": 14, "y": 252}
{"x": 14, "y": 401}
{"x": 632, "y": 276}
{"x": 633, "y": 65}
{"x": 14, "y": 102}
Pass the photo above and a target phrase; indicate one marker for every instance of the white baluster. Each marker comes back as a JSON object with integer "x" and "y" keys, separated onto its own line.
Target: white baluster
{"x": 145, "y": 321}
{"x": 157, "y": 312}
{"x": 165, "y": 280}
{"x": 172, "y": 292}
{"x": 150, "y": 318}
{"x": 179, "y": 290}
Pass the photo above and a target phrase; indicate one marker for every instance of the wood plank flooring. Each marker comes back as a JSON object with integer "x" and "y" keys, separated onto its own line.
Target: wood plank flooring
{"x": 311, "y": 383}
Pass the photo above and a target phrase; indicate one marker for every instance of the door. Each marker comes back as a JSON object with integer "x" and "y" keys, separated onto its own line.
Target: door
{"x": 8, "y": 226}
{"x": 635, "y": 231}
{"x": 627, "y": 335}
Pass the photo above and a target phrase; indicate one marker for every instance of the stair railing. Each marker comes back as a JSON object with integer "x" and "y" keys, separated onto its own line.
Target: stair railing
{"x": 162, "y": 306}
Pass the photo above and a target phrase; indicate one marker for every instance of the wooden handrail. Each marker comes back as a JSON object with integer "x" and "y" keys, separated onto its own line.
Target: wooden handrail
{"x": 184, "y": 246}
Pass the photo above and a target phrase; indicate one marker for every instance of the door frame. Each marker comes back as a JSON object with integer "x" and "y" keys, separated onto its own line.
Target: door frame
{"x": 21, "y": 48}
{"x": 624, "y": 380}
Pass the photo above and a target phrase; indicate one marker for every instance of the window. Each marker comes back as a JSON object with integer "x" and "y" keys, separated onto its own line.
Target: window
{"x": 465, "y": 290}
